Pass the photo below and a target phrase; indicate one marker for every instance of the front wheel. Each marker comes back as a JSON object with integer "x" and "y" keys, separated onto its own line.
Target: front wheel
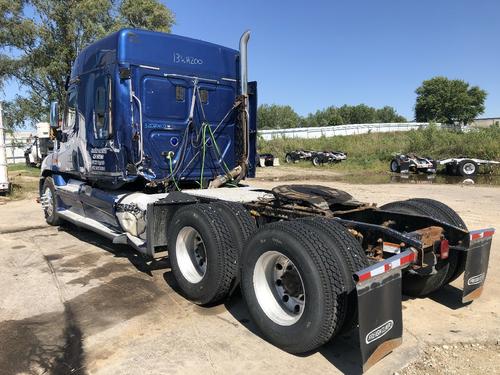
{"x": 49, "y": 202}
{"x": 288, "y": 159}
{"x": 316, "y": 162}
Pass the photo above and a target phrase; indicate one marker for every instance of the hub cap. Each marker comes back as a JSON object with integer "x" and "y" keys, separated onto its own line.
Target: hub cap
{"x": 47, "y": 203}
{"x": 191, "y": 254}
{"x": 469, "y": 168}
{"x": 279, "y": 288}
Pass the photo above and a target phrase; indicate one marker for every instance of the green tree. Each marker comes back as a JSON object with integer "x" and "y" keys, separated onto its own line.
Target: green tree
{"x": 40, "y": 39}
{"x": 448, "y": 101}
{"x": 329, "y": 116}
{"x": 388, "y": 114}
{"x": 273, "y": 116}
{"x": 358, "y": 114}
{"x": 348, "y": 114}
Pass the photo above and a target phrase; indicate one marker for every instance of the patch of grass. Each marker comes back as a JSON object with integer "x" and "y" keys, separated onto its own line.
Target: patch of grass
{"x": 373, "y": 152}
{"x": 23, "y": 170}
{"x": 23, "y": 181}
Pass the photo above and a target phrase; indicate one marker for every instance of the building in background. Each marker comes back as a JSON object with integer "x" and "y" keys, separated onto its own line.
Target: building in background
{"x": 485, "y": 122}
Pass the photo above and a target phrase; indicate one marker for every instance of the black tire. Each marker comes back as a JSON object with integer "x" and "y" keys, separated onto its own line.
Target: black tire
{"x": 288, "y": 159}
{"x": 238, "y": 219}
{"x": 446, "y": 270}
{"x": 394, "y": 166}
{"x": 220, "y": 250}
{"x": 240, "y": 223}
{"x": 450, "y": 169}
{"x": 450, "y": 216}
{"x": 467, "y": 168}
{"x": 351, "y": 251}
{"x": 320, "y": 269}
{"x": 315, "y": 161}
{"x": 51, "y": 216}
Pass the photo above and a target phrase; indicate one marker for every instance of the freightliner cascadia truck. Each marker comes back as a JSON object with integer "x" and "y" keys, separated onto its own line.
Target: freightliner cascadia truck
{"x": 153, "y": 145}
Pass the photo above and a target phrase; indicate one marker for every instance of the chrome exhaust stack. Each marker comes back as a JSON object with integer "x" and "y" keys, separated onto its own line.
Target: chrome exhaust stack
{"x": 239, "y": 172}
{"x": 244, "y": 63}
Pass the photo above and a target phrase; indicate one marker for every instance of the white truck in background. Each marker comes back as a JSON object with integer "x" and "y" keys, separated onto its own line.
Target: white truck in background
{"x": 38, "y": 146}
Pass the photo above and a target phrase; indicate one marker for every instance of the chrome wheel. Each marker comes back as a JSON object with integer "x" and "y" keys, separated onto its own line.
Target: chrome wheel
{"x": 469, "y": 168}
{"x": 191, "y": 254}
{"x": 47, "y": 203}
{"x": 279, "y": 288}
{"x": 394, "y": 166}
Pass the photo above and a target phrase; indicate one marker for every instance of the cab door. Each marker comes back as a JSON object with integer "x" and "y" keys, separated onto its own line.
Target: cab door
{"x": 104, "y": 159}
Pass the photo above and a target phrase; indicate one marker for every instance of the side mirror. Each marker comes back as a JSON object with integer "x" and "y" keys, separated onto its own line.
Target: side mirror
{"x": 54, "y": 115}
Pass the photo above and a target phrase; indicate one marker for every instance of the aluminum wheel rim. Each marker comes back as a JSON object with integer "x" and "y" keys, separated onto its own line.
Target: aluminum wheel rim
{"x": 394, "y": 166}
{"x": 279, "y": 288}
{"x": 191, "y": 254}
{"x": 49, "y": 207}
{"x": 469, "y": 168}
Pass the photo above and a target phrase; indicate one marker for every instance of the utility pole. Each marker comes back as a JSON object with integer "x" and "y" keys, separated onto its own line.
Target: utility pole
{"x": 4, "y": 178}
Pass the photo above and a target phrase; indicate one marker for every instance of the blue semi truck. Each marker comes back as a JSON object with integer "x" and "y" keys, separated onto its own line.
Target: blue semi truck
{"x": 152, "y": 147}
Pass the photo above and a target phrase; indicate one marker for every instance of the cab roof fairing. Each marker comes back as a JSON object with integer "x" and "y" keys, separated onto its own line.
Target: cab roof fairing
{"x": 169, "y": 52}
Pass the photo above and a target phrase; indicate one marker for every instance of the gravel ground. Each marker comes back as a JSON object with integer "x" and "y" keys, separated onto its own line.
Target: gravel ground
{"x": 459, "y": 358}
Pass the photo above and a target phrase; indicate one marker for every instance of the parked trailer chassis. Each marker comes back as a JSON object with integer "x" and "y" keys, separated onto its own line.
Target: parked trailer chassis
{"x": 394, "y": 243}
{"x": 466, "y": 167}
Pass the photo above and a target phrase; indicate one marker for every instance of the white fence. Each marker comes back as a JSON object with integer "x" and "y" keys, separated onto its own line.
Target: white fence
{"x": 330, "y": 131}
{"x": 15, "y": 145}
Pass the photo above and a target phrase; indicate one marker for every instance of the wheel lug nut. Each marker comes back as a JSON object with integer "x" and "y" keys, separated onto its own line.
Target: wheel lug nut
{"x": 279, "y": 267}
{"x": 278, "y": 282}
{"x": 285, "y": 298}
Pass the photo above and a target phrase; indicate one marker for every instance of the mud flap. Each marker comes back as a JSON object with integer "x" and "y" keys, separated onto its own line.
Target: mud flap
{"x": 476, "y": 265}
{"x": 380, "y": 316}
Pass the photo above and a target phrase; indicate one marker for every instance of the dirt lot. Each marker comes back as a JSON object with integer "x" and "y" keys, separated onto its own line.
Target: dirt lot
{"x": 74, "y": 303}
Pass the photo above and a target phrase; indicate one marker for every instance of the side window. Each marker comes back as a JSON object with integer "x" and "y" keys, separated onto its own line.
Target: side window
{"x": 102, "y": 107}
{"x": 69, "y": 119}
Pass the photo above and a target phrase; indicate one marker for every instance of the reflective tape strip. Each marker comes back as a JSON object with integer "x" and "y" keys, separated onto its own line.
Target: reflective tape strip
{"x": 481, "y": 233}
{"x": 390, "y": 247}
{"x": 394, "y": 262}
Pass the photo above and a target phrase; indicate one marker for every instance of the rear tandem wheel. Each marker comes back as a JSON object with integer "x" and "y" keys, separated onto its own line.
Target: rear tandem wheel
{"x": 294, "y": 284}
{"x": 446, "y": 270}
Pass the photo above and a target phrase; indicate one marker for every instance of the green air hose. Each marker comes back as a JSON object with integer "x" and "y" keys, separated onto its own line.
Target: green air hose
{"x": 169, "y": 157}
{"x": 203, "y": 152}
{"x": 217, "y": 149}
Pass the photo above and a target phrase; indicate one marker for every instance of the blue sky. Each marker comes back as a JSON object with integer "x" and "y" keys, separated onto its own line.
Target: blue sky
{"x": 312, "y": 54}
